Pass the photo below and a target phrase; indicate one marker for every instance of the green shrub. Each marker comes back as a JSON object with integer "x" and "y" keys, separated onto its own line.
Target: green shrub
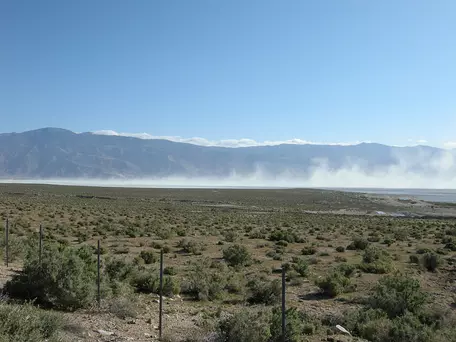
{"x": 358, "y": 244}
{"x": 230, "y": 235}
{"x": 333, "y": 284}
{"x": 423, "y": 251}
{"x": 409, "y": 328}
{"x": 235, "y": 283}
{"x": 26, "y": 323}
{"x": 284, "y": 235}
{"x": 65, "y": 279}
{"x": 346, "y": 269}
{"x": 122, "y": 307}
{"x": 263, "y": 291}
{"x": 376, "y": 260}
{"x": 15, "y": 248}
{"x": 203, "y": 282}
{"x": 309, "y": 251}
{"x": 148, "y": 257}
{"x": 146, "y": 282}
{"x": 300, "y": 266}
{"x": 414, "y": 259}
{"x": 191, "y": 246}
{"x": 117, "y": 269}
{"x": 171, "y": 286}
{"x": 397, "y": 294}
{"x": 370, "y": 324}
{"x": 245, "y": 326}
{"x": 297, "y": 325}
{"x": 431, "y": 261}
{"x": 340, "y": 249}
{"x": 169, "y": 270}
{"x": 237, "y": 255}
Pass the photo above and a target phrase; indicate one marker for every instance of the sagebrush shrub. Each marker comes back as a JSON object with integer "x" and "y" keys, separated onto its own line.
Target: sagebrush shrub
{"x": 398, "y": 294}
{"x": 237, "y": 255}
{"x": 431, "y": 261}
{"x": 358, "y": 244}
{"x": 333, "y": 284}
{"x": 245, "y": 326}
{"x": 376, "y": 260}
{"x": 149, "y": 257}
{"x": 297, "y": 325}
{"x": 300, "y": 266}
{"x": 26, "y": 323}
{"x": 203, "y": 282}
{"x": 309, "y": 251}
{"x": 65, "y": 278}
{"x": 263, "y": 291}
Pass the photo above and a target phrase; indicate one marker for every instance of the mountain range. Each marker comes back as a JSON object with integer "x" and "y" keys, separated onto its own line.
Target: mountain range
{"x": 59, "y": 153}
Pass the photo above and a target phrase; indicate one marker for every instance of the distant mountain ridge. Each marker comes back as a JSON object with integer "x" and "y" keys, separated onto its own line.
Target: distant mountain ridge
{"x": 59, "y": 153}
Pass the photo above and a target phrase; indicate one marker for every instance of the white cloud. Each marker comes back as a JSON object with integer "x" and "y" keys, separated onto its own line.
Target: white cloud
{"x": 449, "y": 144}
{"x": 233, "y": 143}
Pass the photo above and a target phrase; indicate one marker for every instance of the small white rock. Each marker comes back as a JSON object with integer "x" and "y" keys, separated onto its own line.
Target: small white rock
{"x": 104, "y": 332}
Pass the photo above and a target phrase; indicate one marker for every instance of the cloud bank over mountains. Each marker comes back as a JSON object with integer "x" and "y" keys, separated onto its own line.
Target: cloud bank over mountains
{"x": 232, "y": 143}
{"x": 246, "y": 142}
{"x": 62, "y": 156}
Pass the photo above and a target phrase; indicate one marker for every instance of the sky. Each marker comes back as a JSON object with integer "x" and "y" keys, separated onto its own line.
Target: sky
{"x": 329, "y": 71}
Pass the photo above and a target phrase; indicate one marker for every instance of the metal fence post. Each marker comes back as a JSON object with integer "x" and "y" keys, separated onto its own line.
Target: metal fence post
{"x": 41, "y": 244}
{"x": 283, "y": 306}
{"x": 7, "y": 243}
{"x": 160, "y": 317}
{"x": 98, "y": 274}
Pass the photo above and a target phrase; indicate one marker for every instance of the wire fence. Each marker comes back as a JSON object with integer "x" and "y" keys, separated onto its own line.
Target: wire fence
{"x": 99, "y": 280}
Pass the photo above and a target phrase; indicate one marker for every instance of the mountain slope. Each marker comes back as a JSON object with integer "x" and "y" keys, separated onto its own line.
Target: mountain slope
{"x": 53, "y": 152}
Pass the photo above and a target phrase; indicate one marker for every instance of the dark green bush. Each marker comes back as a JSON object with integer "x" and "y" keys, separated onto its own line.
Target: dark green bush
{"x": 284, "y": 235}
{"x": 451, "y": 246}
{"x": 340, "y": 249}
{"x": 431, "y": 261}
{"x": 409, "y": 328}
{"x": 26, "y": 323}
{"x": 423, "y": 251}
{"x": 358, "y": 244}
{"x": 191, "y": 246}
{"x": 376, "y": 260}
{"x": 297, "y": 325}
{"x": 237, "y": 255}
{"x": 146, "y": 282}
{"x": 171, "y": 286}
{"x": 333, "y": 284}
{"x": 263, "y": 291}
{"x": 300, "y": 266}
{"x": 346, "y": 269}
{"x": 117, "y": 269}
{"x": 414, "y": 259}
{"x": 397, "y": 294}
{"x": 169, "y": 270}
{"x": 148, "y": 257}
{"x": 204, "y": 283}
{"x": 66, "y": 278}
{"x": 245, "y": 326}
{"x": 309, "y": 251}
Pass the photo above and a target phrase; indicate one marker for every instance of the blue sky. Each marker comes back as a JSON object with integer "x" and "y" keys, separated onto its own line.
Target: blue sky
{"x": 324, "y": 71}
